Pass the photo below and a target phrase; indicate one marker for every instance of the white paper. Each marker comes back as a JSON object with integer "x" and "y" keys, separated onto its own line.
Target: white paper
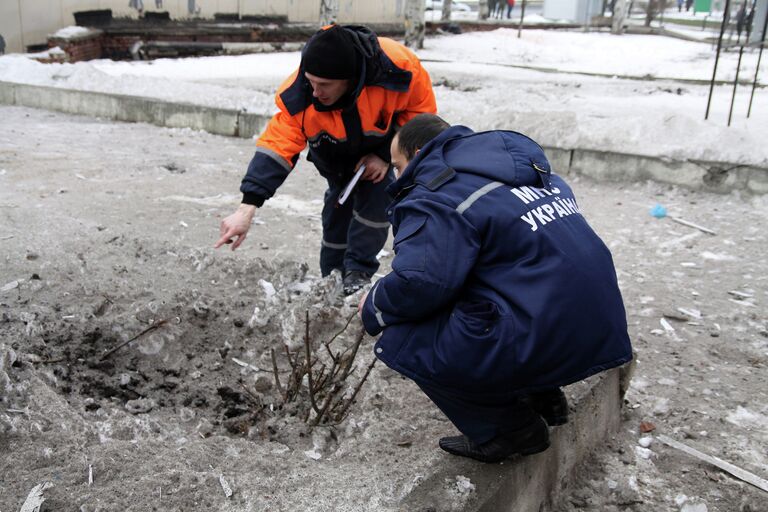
{"x": 351, "y": 184}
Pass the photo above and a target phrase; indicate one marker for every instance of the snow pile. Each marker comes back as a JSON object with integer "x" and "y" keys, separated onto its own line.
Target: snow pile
{"x": 71, "y": 31}
{"x": 483, "y": 80}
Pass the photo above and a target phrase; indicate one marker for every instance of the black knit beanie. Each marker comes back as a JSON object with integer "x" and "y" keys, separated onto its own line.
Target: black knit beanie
{"x": 330, "y": 54}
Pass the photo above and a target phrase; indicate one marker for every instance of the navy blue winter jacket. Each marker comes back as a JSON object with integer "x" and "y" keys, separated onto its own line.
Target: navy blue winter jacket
{"x": 499, "y": 285}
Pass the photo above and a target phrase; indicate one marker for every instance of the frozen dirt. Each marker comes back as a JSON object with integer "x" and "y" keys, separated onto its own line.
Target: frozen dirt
{"x": 106, "y": 231}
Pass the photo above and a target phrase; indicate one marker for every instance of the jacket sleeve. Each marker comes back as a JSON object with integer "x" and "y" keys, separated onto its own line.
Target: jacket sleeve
{"x": 421, "y": 99}
{"x": 435, "y": 250}
{"x": 277, "y": 151}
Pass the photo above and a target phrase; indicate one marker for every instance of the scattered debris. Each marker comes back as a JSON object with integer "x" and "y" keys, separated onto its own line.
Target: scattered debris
{"x": 691, "y": 225}
{"x": 155, "y": 325}
{"x": 464, "y": 485}
{"x": 245, "y": 365}
{"x": 35, "y": 498}
{"x": 647, "y": 426}
{"x": 10, "y": 286}
{"x": 692, "y": 313}
{"x": 725, "y": 466}
{"x": 225, "y": 486}
{"x": 140, "y": 405}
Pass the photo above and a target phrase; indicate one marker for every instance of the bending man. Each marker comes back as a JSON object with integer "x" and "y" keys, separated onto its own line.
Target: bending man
{"x": 351, "y": 92}
{"x": 500, "y": 292}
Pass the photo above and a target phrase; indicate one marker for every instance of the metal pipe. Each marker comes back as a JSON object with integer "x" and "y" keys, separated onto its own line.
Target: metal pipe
{"x": 759, "y": 58}
{"x": 522, "y": 15}
{"x": 717, "y": 56}
{"x": 741, "y": 53}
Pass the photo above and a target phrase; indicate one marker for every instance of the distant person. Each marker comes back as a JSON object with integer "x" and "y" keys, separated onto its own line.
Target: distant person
{"x": 351, "y": 93}
{"x": 500, "y": 292}
{"x": 510, "y": 6}
{"x": 688, "y": 5}
{"x": 679, "y": 5}
{"x": 138, "y": 5}
{"x": 2, "y": 45}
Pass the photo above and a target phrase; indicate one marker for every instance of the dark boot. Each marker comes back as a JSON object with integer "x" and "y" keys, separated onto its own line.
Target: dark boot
{"x": 552, "y": 405}
{"x": 528, "y": 440}
{"x": 354, "y": 280}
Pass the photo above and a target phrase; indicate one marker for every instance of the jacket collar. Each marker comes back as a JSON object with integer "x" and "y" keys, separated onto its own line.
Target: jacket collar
{"x": 428, "y": 167}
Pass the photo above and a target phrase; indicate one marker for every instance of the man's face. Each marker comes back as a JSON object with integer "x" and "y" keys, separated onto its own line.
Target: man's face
{"x": 326, "y": 90}
{"x": 399, "y": 160}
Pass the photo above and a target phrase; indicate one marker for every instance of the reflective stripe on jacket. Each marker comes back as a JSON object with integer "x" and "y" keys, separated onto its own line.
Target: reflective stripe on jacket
{"x": 498, "y": 283}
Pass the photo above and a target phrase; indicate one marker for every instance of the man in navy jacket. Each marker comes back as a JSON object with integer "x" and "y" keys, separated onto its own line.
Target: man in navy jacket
{"x": 500, "y": 292}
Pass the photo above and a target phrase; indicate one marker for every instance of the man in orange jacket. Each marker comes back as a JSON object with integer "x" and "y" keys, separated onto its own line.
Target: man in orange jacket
{"x": 351, "y": 93}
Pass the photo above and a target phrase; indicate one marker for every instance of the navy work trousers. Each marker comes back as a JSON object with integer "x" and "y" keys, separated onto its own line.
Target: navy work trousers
{"x": 355, "y": 232}
{"x": 481, "y": 418}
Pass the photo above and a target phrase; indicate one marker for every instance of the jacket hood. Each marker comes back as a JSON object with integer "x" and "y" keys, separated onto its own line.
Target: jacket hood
{"x": 498, "y": 155}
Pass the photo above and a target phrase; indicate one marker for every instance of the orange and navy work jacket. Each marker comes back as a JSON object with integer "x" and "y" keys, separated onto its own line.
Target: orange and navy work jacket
{"x": 392, "y": 88}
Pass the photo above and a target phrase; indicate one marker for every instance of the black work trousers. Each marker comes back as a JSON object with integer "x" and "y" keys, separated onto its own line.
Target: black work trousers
{"x": 481, "y": 418}
{"x": 355, "y": 232}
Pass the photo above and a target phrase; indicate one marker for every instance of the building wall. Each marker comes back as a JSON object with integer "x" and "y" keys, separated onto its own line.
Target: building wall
{"x": 28, "y": 22}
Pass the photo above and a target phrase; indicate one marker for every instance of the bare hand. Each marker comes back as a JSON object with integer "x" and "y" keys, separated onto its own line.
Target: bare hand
{"x": 375, "y": 168}
{"x": 362, "y": 303}
{"x": 236, "y": 225}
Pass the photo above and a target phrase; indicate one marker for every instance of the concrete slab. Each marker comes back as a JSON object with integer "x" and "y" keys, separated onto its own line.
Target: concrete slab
{"x": 529, "y": 483}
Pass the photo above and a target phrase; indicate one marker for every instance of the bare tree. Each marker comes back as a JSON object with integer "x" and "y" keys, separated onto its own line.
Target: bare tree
{"x": 414, "y": 24}
{"x": 329, "y": 11}
{"x": 483, "y": 11}
{"x": 446, "y": 11}
{"x": 618, "y": 17}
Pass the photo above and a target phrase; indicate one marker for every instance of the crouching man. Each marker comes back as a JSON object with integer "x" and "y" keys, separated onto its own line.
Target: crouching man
{"x": 500, "y": 292}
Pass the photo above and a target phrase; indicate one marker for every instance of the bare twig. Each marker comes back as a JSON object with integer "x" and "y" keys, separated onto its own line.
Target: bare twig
{"x": 49, "y": 361}
{"x": 355, "y": 347}
{"x": 309, "y": 363}
{"x": 330, "y": 352}
{"x": 155, "y": 325}
{"x": 328, "y": 400}
{"x": 251, "y": 394}
{"x": 321, "y": 378}
{"x": 340, "y": 417}
{"x": 349, "y": 320}
{"x": 277, "y": 377}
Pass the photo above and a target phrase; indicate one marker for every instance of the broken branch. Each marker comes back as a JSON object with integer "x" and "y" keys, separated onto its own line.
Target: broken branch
{"x": 155, "y": 325}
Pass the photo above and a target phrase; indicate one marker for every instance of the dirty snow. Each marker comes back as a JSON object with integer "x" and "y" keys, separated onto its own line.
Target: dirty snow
{"x": 482, "y": 81}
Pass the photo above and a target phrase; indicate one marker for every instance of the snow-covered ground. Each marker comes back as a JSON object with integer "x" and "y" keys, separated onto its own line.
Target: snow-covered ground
{"x": 481, "y": 80}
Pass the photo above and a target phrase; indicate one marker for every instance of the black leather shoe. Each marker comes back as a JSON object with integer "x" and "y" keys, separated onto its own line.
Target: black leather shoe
{"x": 526, "y": 441}
{"x": 354, "y": 280}
{"x": 551, "y": 405}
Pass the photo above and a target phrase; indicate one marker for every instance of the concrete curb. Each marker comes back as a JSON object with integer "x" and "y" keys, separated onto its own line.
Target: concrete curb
{"x": 603, "y": 165}
{"x": 707, "y": 175}
{"x": 530, "y": 483}
{"x": 135, "y": 109}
